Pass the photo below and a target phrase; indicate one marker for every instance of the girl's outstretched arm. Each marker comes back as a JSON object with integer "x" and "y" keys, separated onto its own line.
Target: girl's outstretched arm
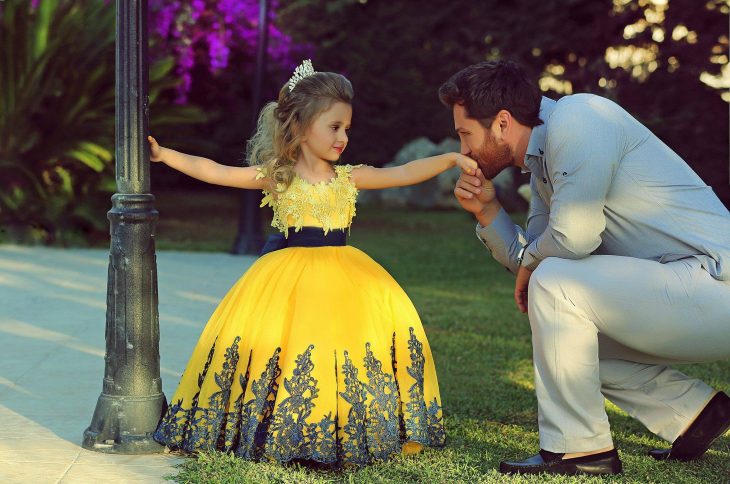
{"x": 207, "y": 170}
{"x": 416, "y": 171}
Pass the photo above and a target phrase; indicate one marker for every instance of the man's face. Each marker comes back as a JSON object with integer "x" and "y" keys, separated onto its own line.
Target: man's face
{"x": 481, "y": 144}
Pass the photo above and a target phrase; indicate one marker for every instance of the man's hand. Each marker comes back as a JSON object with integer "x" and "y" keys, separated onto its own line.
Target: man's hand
{"x": 477, "y": 195}
{"x": 521, "y": 285}
{"x": 474, "y": 192}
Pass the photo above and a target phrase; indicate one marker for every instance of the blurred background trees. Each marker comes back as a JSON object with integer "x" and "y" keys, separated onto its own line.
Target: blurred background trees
{"x": 665, "y": 61}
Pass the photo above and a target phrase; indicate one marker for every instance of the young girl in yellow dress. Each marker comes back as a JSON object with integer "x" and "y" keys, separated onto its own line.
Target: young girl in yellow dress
{"x": 316, "y": 353}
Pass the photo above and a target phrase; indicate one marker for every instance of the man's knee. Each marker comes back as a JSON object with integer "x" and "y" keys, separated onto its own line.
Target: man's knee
{"x": 547, "y": 278}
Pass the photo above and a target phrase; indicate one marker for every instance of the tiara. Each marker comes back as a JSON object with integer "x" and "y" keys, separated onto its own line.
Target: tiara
{"x": 304, "y": 69}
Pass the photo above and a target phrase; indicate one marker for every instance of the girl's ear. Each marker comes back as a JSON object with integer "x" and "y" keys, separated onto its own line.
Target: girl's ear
{"x": 298, "y": 131}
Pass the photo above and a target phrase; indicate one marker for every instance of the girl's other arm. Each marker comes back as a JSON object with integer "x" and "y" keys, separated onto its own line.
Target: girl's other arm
{"x": 207, "y": 170}
{"x": 416, "y": 171}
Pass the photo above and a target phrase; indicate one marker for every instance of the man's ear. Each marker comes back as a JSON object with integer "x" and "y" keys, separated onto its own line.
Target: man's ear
{"x": 505, "y": 120}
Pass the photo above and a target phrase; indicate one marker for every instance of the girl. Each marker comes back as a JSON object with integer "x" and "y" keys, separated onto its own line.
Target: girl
{"x": 316, "y": 353}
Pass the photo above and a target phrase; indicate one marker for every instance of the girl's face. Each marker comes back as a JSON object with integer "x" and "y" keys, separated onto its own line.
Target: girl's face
{"x": 326, "y": 138}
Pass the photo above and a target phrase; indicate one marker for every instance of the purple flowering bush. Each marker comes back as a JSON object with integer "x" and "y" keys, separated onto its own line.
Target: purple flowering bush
{"x": 207, "y": 32}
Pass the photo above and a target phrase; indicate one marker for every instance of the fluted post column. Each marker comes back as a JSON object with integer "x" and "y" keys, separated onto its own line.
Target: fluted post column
{"x": 131, "y": 401}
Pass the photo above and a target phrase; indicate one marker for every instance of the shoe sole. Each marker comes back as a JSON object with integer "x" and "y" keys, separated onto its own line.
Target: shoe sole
{"x": 599, "y": 468}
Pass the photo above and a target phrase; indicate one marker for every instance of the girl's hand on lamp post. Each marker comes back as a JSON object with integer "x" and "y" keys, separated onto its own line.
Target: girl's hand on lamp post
{"x": 155, "y": 149}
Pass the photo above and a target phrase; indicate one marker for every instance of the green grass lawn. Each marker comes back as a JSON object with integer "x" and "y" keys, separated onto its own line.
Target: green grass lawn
{"x": 480, "y": 342}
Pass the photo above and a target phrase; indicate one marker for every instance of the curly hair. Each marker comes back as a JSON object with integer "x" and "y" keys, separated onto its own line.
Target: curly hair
{"x": 275, "y": 145}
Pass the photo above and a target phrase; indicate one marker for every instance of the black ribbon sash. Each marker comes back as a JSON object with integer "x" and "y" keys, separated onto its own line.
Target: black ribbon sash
{"x": 305, "y": 237}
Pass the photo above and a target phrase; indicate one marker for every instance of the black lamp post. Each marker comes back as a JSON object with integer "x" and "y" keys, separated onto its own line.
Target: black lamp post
{"x": 249, "y": 238}
{"x": 131, "y": 401}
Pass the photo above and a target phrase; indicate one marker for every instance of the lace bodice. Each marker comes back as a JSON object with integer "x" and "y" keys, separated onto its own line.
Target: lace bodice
{"x": 330, "y": 205}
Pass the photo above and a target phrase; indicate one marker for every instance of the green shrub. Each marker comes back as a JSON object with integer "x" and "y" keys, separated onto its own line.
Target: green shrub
{"x": 57, "y": 118}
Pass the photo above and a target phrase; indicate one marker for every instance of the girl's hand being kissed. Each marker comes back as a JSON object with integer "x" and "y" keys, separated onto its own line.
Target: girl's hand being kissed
{"x": 466, "y": 164}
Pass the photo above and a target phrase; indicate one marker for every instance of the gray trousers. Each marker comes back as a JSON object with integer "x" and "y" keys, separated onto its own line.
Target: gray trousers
{"x": 610, "y": 327}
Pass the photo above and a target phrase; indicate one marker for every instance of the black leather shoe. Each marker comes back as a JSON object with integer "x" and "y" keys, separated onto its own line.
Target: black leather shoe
{"x": 552, "y": 463}
{"x": 711, "y": 423}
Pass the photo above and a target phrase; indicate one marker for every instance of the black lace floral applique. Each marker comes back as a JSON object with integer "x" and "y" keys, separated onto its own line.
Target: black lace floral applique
{"x": 235, "y": 419}
{"x": 383, "y": 416}
{"x": 374, "y": 428}
{"x": 290, "y": 434}
{"x": 174, "y": 428}
{"x": 416, "y": 426}
{"x": 259, "y": 409}
{"x": 354, "y": 447}
{"x": 424, "y": 424}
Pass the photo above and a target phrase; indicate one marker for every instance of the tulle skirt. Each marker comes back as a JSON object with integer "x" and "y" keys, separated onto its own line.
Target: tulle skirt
{"x": 314, "y": 354}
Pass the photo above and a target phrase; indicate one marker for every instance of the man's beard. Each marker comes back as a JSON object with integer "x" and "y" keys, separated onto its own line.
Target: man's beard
{"x": 493, "y": 158}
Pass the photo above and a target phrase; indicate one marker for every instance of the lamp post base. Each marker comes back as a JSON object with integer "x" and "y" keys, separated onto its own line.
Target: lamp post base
{"x": 125, "y": 424}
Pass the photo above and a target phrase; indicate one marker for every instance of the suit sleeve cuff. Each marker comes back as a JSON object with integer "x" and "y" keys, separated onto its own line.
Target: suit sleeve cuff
{"x": 499, "y": 233}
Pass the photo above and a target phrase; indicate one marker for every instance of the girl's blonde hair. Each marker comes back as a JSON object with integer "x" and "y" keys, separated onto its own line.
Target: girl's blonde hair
{"x": 276, "y": 144}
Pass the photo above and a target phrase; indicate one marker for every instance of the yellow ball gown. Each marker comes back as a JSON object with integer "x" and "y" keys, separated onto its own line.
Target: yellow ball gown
{"x": 316, "y": 353}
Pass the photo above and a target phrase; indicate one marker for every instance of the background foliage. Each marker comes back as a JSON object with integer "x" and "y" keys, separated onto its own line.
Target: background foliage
{"x": 648, "y": 55}
{"x": 665, "y": 61}
{"x": 57, "y": 118}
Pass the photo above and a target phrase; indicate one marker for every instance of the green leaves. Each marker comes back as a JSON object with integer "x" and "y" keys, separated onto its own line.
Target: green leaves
{"x": 91, "y": 155}
{"x": 57, "y": 114}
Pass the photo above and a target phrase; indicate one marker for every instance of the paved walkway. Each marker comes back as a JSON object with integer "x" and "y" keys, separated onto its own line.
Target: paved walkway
{"x": 52, "y": 318}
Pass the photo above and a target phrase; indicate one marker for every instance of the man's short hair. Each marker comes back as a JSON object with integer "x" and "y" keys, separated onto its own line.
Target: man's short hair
{"x": 488, "y": 87}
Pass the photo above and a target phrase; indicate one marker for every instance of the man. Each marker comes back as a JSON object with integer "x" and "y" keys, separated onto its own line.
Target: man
{"x": 623, "y": 269}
